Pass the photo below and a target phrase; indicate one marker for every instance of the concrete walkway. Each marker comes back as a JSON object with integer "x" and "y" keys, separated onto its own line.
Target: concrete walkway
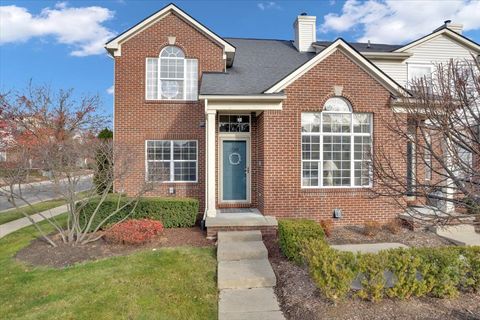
{"x": 461, "y": 235}
{"x": 18, "y": 224}
{"x": 245, "y": 278}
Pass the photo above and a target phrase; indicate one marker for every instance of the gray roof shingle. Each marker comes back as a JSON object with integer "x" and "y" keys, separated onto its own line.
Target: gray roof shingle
{"x": 259, "y": 64}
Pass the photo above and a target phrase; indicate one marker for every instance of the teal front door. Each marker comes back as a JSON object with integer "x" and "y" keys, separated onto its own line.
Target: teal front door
{"x": 234, "y": 170}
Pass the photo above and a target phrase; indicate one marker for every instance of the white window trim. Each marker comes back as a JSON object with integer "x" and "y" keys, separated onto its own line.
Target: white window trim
{"x": 235, "y": 133}
{"x": 351, "y": 134}
{"x": 413, "y": 64}
{"x": 159, "y": 87}
{"x": 172, "y": 163}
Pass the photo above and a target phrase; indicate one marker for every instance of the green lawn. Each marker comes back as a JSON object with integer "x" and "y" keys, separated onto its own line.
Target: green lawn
{"x": 164, "y": 284}
{"x": 14, "y": 214}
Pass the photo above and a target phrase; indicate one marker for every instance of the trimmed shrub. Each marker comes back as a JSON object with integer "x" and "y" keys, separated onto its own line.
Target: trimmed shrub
{"x": 292, "y": 235}
{"x": 133, "y": 231}
{"x": 371, "y": 268}
{"x": 172, "y": 212}
{"x": 404, "y": 264}
{"x": 331, "y": 270}
{"x": 327, "y": 226}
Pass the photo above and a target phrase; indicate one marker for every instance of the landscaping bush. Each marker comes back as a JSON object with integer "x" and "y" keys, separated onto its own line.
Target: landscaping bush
{"x": 172, "y": 212}
{"x": 371, "y": 269}
{"x": 331, "y": 270}
{"x": 414, "y": 272}
{"x": 292, "y": 235}
{"x": 133, "y": 231}
{"x": 394, "y": 226}
{"x": 371, "y": 228}
{"x": 327, "y": 226}
{"x": 404, "y": 264}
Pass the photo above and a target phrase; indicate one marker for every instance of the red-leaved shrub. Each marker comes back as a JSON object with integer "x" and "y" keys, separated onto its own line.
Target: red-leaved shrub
{"x": 134, "y": 231}
{"x": 327, "y": 226}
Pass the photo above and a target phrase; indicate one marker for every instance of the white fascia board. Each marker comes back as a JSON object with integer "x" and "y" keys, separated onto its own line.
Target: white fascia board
{"x": 115, "y": 44}
{"x": 360, "y": 60}
{"x": 251, "y": 106}
{"x": 387, "y": 55}
{"x": 447, "y": 32}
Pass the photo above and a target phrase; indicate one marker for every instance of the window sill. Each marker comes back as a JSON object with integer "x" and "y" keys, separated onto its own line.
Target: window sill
{"x": 171, "y": 101}
{"x": 322, "y": 190}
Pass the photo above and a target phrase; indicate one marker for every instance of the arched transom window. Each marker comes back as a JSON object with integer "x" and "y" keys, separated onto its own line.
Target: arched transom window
{"x": 171, "y": 76}
{"x": 336, "y": 146}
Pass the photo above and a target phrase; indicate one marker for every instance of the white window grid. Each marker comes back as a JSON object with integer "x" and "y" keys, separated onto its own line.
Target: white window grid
{"x": 172, "y": 68}
{"x": 351, "y": 134}
{"x": 183, "y": 160}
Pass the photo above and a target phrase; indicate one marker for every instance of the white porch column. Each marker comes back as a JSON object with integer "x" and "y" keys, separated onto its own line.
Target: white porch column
{"x": 449, "y": 189}
{"x": 211, "y": 160}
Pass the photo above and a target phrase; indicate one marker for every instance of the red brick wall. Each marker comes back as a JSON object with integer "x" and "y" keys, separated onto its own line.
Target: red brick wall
{"x": 137, "y": 120}
{"x": 282, "y": 193}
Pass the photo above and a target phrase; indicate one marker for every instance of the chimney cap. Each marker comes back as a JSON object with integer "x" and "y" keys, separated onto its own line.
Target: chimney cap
{"x": 447, "y": 22}
{"x": 303, "y": 14}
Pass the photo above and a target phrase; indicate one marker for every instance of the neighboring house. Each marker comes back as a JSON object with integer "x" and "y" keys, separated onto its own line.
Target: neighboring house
{"x": 281, "y": 126}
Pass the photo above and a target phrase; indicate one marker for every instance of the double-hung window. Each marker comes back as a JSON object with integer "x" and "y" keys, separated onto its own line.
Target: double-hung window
{"x": 420, "y": 75}
{"x": 171, "y": 76}
{"x": 171, "y": 160}
{"x": 336, "y": 147}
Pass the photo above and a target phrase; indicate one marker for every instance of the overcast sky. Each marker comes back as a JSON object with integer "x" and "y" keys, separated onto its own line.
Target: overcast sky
{"x": 61, "y": 43}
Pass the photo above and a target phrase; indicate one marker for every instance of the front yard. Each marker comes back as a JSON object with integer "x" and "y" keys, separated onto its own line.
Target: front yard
{"x": 163, "y": 283}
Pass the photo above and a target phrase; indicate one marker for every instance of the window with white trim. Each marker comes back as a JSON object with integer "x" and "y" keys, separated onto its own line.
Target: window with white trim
{"x": 336, "y": 147}
{"x": 417, "y": 72}
{"x": 3, "y": 156}
{"x": 171, "y": 160}
{"x": 171, "y": 76}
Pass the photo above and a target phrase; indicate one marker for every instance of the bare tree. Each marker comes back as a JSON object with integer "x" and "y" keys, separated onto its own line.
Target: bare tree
{"x": 58, "y": 134}
{"x": 438, "y": 132}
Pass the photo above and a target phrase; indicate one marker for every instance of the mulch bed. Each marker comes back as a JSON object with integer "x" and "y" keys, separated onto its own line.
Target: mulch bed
{"x": 417, "y": 238}
{"x": 39, "y": 253}
{"x": 300, "y": 299}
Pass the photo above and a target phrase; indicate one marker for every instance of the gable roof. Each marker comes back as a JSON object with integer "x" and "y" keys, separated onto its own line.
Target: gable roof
{"x": 340, "y": 44}
{"x": 259, "y": 63}
{"x": 113, "y": 46}
{"x": 444, "y": 30}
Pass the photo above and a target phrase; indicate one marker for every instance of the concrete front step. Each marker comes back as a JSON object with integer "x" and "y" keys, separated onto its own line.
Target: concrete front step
{"x": 254, "y": 235}
{"x": 256, "y": 303}
{"x": 245, "y": 274}
{"x": 241, "y": 250}
{"x": 461, "y": 235}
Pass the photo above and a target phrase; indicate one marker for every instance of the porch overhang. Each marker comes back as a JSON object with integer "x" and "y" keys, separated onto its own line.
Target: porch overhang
{"x": 253, "y": 103}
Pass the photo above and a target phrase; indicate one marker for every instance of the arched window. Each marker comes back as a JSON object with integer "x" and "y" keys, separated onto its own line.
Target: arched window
{"x": 171, "y": 76}
{"x": 336, "y": 146}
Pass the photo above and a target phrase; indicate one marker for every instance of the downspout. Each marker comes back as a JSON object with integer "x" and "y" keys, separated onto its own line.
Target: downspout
{"x": 202, "y": 223}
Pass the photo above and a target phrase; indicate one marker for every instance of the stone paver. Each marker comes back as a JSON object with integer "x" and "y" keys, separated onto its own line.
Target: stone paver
{"x": 245, "y": 278}
{"x": 245, "y": 274}
{"x": 249, "y": 304}
{"x": 368, "y": 247}
{"x": 254, "y": 235}
{"x": 241, "y": 250}
{"x": 18, "y": 224}
{"x": 461, "y": 235}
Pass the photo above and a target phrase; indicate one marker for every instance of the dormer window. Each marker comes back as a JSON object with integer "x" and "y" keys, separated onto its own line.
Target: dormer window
{"x": 171, "y": 76}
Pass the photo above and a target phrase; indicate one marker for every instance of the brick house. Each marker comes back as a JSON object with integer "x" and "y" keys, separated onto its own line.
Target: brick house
{"x": 269, "y": 127}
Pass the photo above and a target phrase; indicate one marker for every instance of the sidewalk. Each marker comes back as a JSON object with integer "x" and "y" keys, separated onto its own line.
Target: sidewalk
{"x": 18, "y": 224}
